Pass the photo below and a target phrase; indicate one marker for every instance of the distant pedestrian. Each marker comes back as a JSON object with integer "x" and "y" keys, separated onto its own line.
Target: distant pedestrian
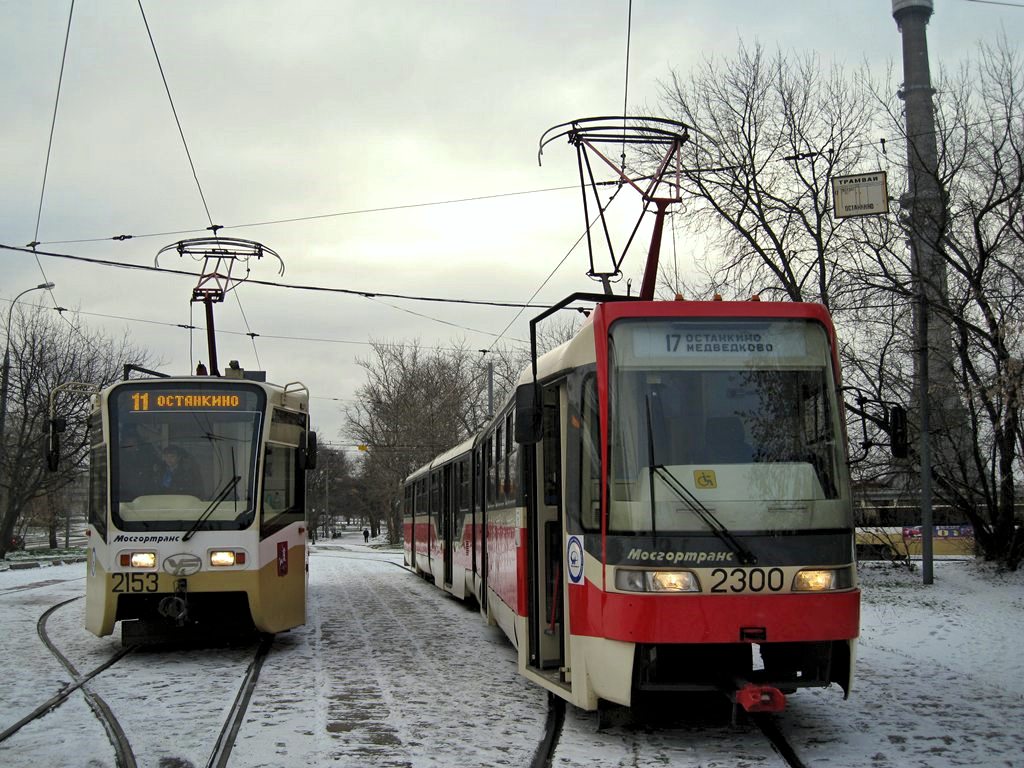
{"x": 366, "y": 535}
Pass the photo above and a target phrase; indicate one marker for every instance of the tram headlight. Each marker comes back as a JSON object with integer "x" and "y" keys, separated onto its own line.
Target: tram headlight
{"x": 672, "y": 581}
{"x": 656, "y": 581}
{"x": 815, "y": 580}
{"x": 220, "y": 558}
{"x": 138, "y": 559}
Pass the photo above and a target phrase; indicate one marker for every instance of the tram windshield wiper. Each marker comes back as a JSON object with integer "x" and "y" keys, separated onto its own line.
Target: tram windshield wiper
{"x": 683, "y": 493}
{"x": 229, "y": 486}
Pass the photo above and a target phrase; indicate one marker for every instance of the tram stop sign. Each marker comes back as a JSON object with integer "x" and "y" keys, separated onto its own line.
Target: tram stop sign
{"x": 865, "y": 194}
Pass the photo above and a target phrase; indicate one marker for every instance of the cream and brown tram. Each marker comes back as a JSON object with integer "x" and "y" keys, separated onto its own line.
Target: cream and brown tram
{"x": 197, "y": 518}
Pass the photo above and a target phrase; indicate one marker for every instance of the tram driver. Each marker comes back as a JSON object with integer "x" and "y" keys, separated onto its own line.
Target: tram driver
{"x": 178, "y": 473}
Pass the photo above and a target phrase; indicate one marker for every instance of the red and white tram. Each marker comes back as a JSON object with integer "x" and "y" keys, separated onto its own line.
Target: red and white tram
{"x": 664, "y": 506}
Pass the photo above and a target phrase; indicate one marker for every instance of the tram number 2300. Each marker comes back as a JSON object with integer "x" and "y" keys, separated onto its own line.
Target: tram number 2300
{"x": 135, "y": 582}
{"x": 747, "y": 580}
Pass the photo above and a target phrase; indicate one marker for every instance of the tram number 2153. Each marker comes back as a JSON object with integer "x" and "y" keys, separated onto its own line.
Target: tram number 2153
{"x": 135, "y": 582}
{"x": 747, "y": 580}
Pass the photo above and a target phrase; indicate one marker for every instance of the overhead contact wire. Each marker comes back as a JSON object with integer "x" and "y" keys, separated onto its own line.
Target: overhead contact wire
{"x": 177, "y": 121}
{"x": 314, "y": 217}
{"x": 46, "y": 172}
{"x": 252, "y": 336}
{"x": 271, "y": 284}
{"x": 53, "y": 125}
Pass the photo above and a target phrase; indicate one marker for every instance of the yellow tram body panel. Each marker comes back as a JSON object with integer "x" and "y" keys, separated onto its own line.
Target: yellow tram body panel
{"x": 947, "y": 541}
{"x": 276, "y": 592}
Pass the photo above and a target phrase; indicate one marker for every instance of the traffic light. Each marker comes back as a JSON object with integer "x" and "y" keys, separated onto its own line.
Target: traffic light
{"x": 898, "y": 431}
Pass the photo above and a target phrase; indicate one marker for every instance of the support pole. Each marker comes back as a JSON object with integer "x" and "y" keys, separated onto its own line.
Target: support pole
{"x": 211, "y": 339}
{"x": 927, "y": 527}
{"x": 925, "y": 215}
{"x": 653, "y": 255}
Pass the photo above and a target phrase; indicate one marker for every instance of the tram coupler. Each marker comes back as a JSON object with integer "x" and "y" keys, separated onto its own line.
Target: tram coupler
{"x": 758, "y": 698}
{"x": 175, "y": 607}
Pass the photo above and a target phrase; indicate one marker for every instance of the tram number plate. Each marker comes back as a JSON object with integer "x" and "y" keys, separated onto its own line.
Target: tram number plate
{"x": 747, "y": 580}
{"x": 135, "y": 582}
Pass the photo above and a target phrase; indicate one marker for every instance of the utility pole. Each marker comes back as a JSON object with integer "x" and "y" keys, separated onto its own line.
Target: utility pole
{"x": 327, "y": 492}
{"x": 925, "y": 214}
{"x": 490, "y": 389}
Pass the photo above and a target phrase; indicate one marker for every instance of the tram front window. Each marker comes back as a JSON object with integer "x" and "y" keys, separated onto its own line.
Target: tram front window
{"x": 743, "y": 415}
{"x": 173, "y": 463}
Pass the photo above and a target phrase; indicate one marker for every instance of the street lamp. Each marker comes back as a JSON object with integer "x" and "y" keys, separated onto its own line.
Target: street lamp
{"x": 7, "y": 365}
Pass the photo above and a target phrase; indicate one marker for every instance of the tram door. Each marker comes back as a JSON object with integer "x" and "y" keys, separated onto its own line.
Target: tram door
{"x": 448, "y": 502}
{"x": 544, "y": 534}
{"x": 480, "y": 525}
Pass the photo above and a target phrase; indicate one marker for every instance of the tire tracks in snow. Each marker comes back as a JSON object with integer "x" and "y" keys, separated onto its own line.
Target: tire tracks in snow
{"x": 415, "y": 679}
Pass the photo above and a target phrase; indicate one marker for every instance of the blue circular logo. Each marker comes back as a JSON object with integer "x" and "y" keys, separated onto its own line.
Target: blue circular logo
{"x": 574, "y": 559}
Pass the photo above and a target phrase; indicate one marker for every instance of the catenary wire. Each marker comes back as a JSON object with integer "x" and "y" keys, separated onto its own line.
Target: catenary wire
{"x": 191, "y": 327}
{"x": 997, "y": 2}
{"x": 273, "y": 284}
{"x": 252, "y": 336}
{"x": 315, "y": 217}
{"x": 53, "y": 122}
{"x": 177, "y": 121}
{"x": 453, "y": 201}
{"x": 46, "y": 169}
{"x": 558, "y": 266}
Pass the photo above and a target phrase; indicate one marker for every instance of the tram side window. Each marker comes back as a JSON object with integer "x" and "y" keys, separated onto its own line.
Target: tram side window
{"x": 510, "y": 459}
{"x": 465, "y": 477}
{"x": 98, "y": 489}
{"x": 435, "y": 499}
{"x": 552, "y": 450}
{"x": 499, "y": 465}
{"x": 590, "y": 456}
{"x": 283, "y": 489}
{"x": 478, "y": 478}
{"x": 489, "y": 458}
{"x": 421, "y": 498}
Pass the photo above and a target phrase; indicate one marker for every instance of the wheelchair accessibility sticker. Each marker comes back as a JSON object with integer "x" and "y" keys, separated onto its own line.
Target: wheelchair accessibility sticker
{"x": 574, "y": 558}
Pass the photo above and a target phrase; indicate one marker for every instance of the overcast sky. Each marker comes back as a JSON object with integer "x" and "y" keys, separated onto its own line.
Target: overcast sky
{"x": 315, "y": 107}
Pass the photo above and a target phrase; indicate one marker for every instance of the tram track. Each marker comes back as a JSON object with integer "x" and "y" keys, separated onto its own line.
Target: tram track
{"x": 117, "y": 733}
{"x": 37, "y": 585}
{"x": 769, "y": 726}
{"x": 552, "y": 730}
{"x": 122, "y": 749}
{"x": 545, "y": 754}
{"x": 226, "y": 738}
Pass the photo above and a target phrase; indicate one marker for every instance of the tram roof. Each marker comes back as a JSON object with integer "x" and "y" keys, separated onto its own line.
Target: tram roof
{"x": 464, "y": 447}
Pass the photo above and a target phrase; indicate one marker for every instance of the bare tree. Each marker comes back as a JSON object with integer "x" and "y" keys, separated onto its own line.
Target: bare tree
{"x": 980, "y": 240}
{"x": 330, "y": 491}
{"x": 416, "y": 403}
{"x": 770, "y": 133}
{"x": 47, "y": 351}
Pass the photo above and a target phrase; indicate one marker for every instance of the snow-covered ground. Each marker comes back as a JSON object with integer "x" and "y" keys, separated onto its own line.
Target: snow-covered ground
{"x": 390, "y": 672}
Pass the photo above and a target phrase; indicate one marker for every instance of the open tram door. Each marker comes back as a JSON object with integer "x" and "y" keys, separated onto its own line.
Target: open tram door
{"x": 542, "y": 481}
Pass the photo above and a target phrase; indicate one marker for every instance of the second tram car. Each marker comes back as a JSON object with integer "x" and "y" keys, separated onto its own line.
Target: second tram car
{"x": 197, "y": 520}
{"x": 664, "y": 506}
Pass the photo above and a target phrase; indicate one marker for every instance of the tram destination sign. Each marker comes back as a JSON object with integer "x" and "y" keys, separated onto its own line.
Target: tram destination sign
{"x": 864, "y": 194}
{"x": 148, "y": 400}
{"x": 734, "y": 340}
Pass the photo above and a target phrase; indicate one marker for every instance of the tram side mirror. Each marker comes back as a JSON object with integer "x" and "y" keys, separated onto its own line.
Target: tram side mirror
{"x": 309, "y": 453}
{"x": 53, "y": 443}
{"x": 898, "y": 431}
{"x": 529, "y": 427}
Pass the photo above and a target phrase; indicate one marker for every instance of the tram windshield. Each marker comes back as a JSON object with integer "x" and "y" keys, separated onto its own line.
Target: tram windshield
{"x": 184, "y": 453}
{"x": 740, "y": 414}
